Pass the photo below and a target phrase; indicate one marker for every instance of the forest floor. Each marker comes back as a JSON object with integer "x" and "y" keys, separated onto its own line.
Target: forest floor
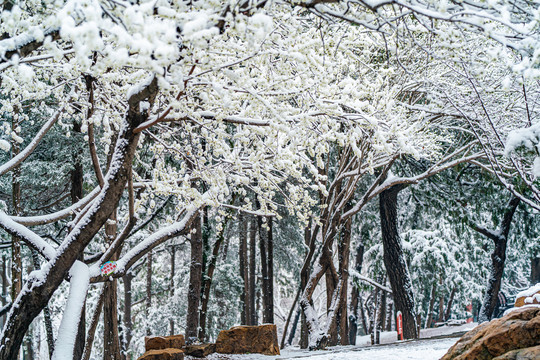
{"x": 432, "y": 345}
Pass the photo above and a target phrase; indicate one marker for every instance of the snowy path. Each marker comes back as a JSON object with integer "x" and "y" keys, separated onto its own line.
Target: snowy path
{"x": 428, "y": 349}
{"x": 434, "y": 343}
{"x": 415, "y": 350}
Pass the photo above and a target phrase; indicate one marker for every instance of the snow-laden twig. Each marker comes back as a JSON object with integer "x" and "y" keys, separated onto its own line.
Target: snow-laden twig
{"x": 356, "y": 275}
{"x": 67, "y": 333}
{"x": 251, "y": 212}
{"x": 59, "y": 215}
{"x": 148, "y": 244}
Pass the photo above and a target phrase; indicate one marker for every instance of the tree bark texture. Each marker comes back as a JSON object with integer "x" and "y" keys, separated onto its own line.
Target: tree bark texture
{"x": 16, "y": 262}
{"x": 266, "y": 254}
{"x": 93, "y": 326}
{"x": 244, "y": 268}
{"x": 355, "y": 295}
{"x": 535, "y": 270}
{"x": 394, "y": 261}
{"x": 128, "y": 299}
{"x": 429, "y": 319}
{"x": 148, "y": 300}
{"x": 448, "y": 311}
{"x": 207, "y": 281}
{"x": 171, "y": 285}
{"x": 111, "y": 341}
{"x": 195, "y": 279}
{"x": 252, "y": 274}
{"x": 498, "y": 257}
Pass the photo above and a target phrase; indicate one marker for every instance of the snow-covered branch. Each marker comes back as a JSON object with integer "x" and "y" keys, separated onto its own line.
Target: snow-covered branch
{"x": 139, "y": 250}
{"x": 28, "y": 236}
{"x": 16, "y": 160}
{"x": 67, "y": 333}
{"x": 59, "y": 215}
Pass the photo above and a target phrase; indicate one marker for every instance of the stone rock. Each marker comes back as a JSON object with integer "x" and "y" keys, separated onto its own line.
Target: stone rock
{"x": 531, "y": 353}
{"x": 163, "y": 354}
{"x": 164, "y": 342}
{"x": 528, "y": 300}
{"x": 248, "y": 339}
{"x": 200, "y": 351}
{"x": 518, "y": 330}
{"x": 176, "y": 341}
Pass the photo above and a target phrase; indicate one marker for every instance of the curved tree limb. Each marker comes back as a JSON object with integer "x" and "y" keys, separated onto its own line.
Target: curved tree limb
{"x": 15, "y": 161}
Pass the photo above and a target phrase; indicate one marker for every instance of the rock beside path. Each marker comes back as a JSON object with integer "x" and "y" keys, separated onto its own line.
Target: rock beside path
{"x": 200, "y": 351}
{"x": 248, "y": 339}
{"x": 514, "y": 336}
{"x": 164, "y": 342}
{"x": 163, "y": 354}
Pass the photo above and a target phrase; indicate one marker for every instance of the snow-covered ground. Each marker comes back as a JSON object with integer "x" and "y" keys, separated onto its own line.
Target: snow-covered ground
{"x": 428, "y": 348}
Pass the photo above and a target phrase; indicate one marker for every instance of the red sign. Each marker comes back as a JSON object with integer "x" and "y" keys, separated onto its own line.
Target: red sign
{"x": 400, "y": 325}
{"x": 469, "y": 310}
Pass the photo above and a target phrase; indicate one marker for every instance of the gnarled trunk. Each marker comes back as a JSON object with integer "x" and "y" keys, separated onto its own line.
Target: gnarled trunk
{"x": 38, "y": 291}
{"x": 498, "y": 257}
{"x": 394, "y": 261}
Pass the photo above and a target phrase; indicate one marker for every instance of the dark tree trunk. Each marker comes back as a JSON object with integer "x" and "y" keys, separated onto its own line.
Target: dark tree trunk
{"x": 4, "y": 290}
{"x": 448, "y": 311}
{"x": 171, "y": 285}
{"x": 287, "y": 322}
{"x": 266, "y": 250}
{"x": 195, "y": 279}
{"x": 128, "y": 299}
{"x": 207, "y": 281}
{"x": 355, "y": 296}
{"x": 16, "y": 262}
{"x": 294, "y": 326}
{"x": 46, "y": 312}
{"x": 363, "y": 316}
{"x": 111, "y": 341}
{"x": 394, "y": 261}
{"x": 270, "y": 264}
{"x": 373, "y": 330}
{"x": 244, "y": 268}
{"x": 252, "y": 275}
{"x": 344, "y": 247}
{"x": 309, "y": 241}
{"x": 148, "y": 305}
{"x": 498, "y": 257}
{"x": 381, "y": 315}
{"x": 48, "y": 330}
{"x": 535, "y": 270}
{"x": 441, "y": 305}
{"x": 429, "y": 320}
{"x": 93, "y": 326}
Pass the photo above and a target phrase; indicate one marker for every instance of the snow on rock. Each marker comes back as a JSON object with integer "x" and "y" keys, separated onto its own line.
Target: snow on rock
{"x": 528, "y": 297}
{"x": 529, "y": 292}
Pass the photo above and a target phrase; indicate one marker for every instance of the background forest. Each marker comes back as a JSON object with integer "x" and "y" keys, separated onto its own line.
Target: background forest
{"x": 319, "y": 165}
